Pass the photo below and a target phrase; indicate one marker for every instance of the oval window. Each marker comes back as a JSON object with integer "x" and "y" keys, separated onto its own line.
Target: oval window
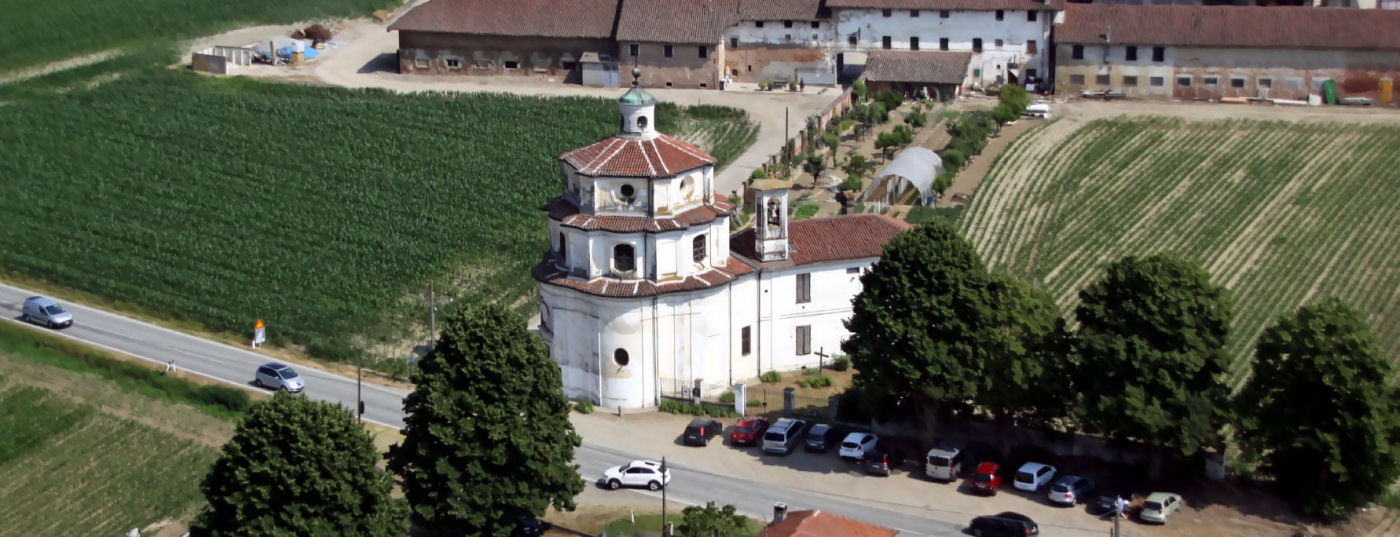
{"x": 620, "y": 356}
{"x": 687, "y": 187}
{"x": 642, "y": 123}
{"x": 628, "y": 193}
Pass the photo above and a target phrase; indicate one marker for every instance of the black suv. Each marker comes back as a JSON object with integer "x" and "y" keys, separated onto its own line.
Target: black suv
{"x": 821, "y": 437}
{"x": 700, "y": 431}
{"x": 1006, "y": 524}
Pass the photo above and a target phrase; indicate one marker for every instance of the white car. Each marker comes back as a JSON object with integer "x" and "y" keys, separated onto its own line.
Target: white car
{"x": 1158, "y": 505}
{"x": 856, "y": 445}
{"x": 636, "y": 474}
{"x": 1034, "y": 475}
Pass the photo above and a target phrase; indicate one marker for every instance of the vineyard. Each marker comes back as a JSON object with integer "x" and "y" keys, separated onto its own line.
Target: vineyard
{"x": 41, "y": 32}
{"x": 315, "y": 209}
{"x": 71, "y": 469}
{"x": 1280, "y": 213}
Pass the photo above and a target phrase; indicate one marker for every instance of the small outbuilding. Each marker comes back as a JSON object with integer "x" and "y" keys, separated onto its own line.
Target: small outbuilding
{"x": 911, "y": 172}
{"x": 942, "y": 74}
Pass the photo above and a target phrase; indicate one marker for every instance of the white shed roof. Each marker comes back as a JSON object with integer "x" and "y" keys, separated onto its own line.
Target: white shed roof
{"x": 914, "y": 166}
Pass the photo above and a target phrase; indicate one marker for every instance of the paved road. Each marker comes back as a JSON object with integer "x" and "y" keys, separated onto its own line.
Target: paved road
{"x": 235, "y": 365}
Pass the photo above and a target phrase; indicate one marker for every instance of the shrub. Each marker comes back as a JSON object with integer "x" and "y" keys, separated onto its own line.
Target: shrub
{"x": 771, "y": 377}
{"x": 841, "y": 363}
{"x": 726, "y": 397}
{"x": 845, "y": 125}
{"x": 851, "y": 183}
{"x": 814, "y": 382}
{"x": 953, "y": 159}
{"x": 692, "y": 409}
{"x": 889, "y": 99}
{"x": 858, "y": 90}
{"x": 584, "y": 406}
{"x": 755, "y": 403}
{"x": 917, "y": 119}
{"x": 758, "y": 173}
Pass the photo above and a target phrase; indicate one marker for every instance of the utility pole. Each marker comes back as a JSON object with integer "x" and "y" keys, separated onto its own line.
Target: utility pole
{"x": 359, "y": 402}
{"x": 664, "y": 471}
{"x": 432, "y": 316}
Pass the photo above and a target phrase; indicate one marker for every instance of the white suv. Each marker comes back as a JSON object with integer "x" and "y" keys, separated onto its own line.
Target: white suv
{"x": 1034, "y": 475}
{"x": 637, "y": 474}
{"x": 856, "y": 445}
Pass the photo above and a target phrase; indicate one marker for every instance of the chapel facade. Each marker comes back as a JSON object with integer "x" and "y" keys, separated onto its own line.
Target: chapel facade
{"x": 646, "y": 293}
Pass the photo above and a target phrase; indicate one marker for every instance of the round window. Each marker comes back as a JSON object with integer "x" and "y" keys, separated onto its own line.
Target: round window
{"x": 628, "y": 193}
{"x": 687, "y": 187}
{"x": 642, "y": 123}
{"x": 620, "y": 356}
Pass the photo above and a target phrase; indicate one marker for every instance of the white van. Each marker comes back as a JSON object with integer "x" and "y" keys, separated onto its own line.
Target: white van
{"x": 944, "y": 464}
{"x": 1040, "y": 110}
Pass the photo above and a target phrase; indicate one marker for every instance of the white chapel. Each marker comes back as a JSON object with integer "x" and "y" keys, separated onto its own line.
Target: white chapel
{"x": 645, "y": 292}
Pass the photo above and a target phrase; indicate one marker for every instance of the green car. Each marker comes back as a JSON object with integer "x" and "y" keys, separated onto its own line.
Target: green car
{"x": 1158, "y": 505}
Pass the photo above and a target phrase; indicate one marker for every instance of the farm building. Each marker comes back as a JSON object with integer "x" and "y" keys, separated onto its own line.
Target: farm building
{"x": 676, "y": 43}
{"x": 1009, "y": 39}
{"x": 496, "y": 37}
{"x": 781, "y": 41}
{"x": 943, "y": 75}
{"x": 645, "y": 293}
{"x": 1211, "y": 52}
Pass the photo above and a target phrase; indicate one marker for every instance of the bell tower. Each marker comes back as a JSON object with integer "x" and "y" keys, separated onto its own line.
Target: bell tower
{"x": 771, "y": 226}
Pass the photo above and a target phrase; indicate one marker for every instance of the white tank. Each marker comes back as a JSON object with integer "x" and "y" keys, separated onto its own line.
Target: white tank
{"x": 298, "y": 46}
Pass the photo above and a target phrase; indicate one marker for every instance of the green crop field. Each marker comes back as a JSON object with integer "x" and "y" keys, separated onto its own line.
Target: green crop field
{"x": 319, "y": 210}
{"x": 39, "y": 32}
{"x": 71, "y": 469}
{"x": 1280, "y": 213}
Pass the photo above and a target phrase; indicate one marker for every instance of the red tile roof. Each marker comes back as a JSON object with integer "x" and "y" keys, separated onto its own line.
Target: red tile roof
{"x": 538, "y": 18}
{"x": 818, "y": 240}
{"x": 820, "y": 524}
{"x": 925, "y": 66}
{"x": 953, "y": 5}
{"x": 778, "y": 10}
{"x": 568, "y": 214}
{"x": 676, "y": 21}
{"x": 1232, "y": 26}
{"x": 547, "y": 272}
{"x": 662, "y": 156}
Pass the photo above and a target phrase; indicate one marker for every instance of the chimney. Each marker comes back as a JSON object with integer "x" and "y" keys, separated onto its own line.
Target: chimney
{"x": 779, "y": 512}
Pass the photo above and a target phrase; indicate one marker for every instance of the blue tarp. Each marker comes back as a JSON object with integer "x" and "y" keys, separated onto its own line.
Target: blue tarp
{"x": 286, "y": 52}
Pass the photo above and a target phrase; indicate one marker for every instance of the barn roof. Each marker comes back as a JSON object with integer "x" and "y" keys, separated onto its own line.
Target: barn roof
{"x": 1231, "y": 26}
{"x": 777, "y": 10}
{"x": 923, "y": 66}
{"x": 676, "y": 21}
{"x": 526, "y": 18}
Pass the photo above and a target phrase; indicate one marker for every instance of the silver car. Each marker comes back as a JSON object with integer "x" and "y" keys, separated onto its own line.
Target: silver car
{"x": 279, "y": 377}
{"x": 46, "y": 311}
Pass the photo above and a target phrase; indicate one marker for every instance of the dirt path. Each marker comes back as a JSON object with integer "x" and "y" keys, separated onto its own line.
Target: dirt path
{"x": 974, "y": 171}
{"x": 60, "y": 65}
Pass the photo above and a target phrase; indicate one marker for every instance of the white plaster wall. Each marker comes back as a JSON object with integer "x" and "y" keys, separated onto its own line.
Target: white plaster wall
{"x": 833, "y": 287}
{"x": 632, "y": 114}
{"x": 775, "y": 33}
{"x": 607, "y": 196}
{"x": 600, "y": 250}
{"x": 671, "y": 198}
{"x": 960, "y": 28}
{"x": 744, "y": 295}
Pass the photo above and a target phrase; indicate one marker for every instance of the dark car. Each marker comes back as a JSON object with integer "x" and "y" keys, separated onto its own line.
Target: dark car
{"x": 1006, "y": 524}
{"x": 986, "y": 479}
{"x": 1104, "y": 502}
{"x": 747, "y": 431}
{"x": 820, "y": 438}
{"x": 880, "y": 462}
{"x": 700, "y": 431}
{"x": 529, "y": 527}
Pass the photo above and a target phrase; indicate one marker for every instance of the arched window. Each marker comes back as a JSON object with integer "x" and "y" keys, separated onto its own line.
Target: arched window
{"x": 624, "y": 258}
{"x": 697, "y": 248}
{"x": 620, "y": 357}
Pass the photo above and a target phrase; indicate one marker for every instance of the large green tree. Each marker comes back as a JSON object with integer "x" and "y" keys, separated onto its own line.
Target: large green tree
{"x": 920, "y": 321}
{"x": 298, "y": 467}
{"x": 1029, "y": 364}
{"x": 1151, "y": 344}
{"x": 1320, "y": 410}
{"x": 711, "y": 521}
{"x": 487, "y": 437}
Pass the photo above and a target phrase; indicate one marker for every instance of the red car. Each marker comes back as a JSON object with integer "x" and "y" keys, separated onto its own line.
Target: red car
{"x": 747, "y": 431}
{"x": 986, "y": 479}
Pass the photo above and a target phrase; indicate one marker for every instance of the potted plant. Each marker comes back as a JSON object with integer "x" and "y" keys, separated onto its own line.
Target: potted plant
{"x": 792, "y": 85}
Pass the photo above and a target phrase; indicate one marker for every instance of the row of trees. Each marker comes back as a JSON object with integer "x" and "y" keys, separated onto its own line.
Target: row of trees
{"x": 487, "y": 442}
{"x": 935, "y": 332}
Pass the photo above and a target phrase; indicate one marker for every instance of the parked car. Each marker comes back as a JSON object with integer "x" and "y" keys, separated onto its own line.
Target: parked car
{"x": 279, "y": 377}
{"x": 944, "y": 463}
{"x": 878, "y": 462}
{"x": 46, "y": 311}
{"x": 700, "y": 431}
{"x": 820, "y": 438}
{"x": 1158, "y": 505}
{"x": 1070, "y": 489}
{"x": 1105, "y": 501}
{"x": 528, "y": 527}
{"x": 747, "y": 431}
{"x": 637, "y": 474}
{"x": 1007, "y": 524}
{"x": 783, "y": 436}
{"x": 1034, "y": 475}
{"x": 986, "y": 479}
{"x": 856, "y": 444}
